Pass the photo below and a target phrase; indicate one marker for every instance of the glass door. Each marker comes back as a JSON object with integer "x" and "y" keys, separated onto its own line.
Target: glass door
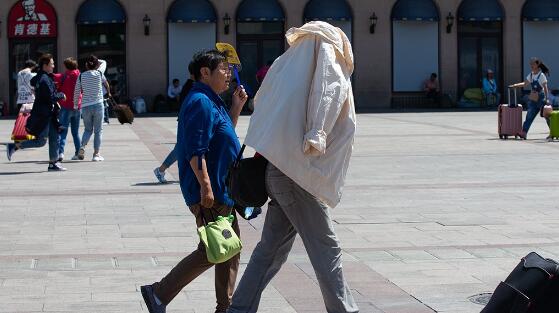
{"x": 257, "y": 44}
{"x": 490, "y": 49}
{"x": 480, "y": 49}
{"x": 107, "y": 42}
{"x": 248, "y": 54}
{"x": 21, "y": 51}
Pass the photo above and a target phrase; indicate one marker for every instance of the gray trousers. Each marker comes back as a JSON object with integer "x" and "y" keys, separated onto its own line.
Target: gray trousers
{"x": 294, "y": 211}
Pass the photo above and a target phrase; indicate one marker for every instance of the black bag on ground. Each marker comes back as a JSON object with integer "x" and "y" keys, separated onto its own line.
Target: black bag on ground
{"x": 247, "y": 182}
{"x": 532, "y": 287}
{"x": 123, "y": 112}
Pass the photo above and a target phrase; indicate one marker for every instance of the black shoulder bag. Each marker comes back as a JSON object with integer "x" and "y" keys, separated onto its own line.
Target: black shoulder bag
{"x": 532, "y": 287}
{"x": 246, "y": 181}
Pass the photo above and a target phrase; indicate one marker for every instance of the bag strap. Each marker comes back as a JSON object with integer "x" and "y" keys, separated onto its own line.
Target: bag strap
{"x": 112, "y": 102}
{"x": 214, "y": 217}
{"x": 240, "y": 156}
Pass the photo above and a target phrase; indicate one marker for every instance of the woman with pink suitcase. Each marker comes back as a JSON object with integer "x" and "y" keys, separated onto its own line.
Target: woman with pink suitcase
{"x": 537, "y": 80}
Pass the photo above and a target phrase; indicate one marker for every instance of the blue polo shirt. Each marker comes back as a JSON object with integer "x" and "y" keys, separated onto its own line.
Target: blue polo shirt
{"x": 205, "y": 129}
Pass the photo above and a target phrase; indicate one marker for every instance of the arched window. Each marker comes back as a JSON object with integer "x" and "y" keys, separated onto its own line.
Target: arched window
{"x": 102, "y": 32}
{"x": 415, "y": 27}
{"x": 335, "y": 12}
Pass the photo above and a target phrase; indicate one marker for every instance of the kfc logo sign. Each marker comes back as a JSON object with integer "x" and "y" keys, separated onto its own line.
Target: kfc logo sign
{"x": 32, "y": 18}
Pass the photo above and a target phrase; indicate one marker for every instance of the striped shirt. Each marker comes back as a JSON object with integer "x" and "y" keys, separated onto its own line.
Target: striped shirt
{"x": 90, "y": 84}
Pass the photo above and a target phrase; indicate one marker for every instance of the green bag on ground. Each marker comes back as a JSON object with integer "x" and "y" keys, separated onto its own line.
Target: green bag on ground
{"x": 220, "y": 240}
{"x": 474, "y": 94}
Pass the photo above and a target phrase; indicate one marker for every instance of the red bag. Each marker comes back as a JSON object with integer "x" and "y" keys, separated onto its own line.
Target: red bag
{"x": 19, "y": 133}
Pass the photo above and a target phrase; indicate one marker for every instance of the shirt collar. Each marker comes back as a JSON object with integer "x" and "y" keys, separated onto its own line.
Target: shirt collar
{"x": 205, "y": 89}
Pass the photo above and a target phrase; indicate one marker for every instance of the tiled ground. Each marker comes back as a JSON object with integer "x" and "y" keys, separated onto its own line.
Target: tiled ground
{"x": 435, "y": 210}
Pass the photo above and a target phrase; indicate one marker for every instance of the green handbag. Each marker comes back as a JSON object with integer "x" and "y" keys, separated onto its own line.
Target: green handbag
{"x": 220, "y": 240}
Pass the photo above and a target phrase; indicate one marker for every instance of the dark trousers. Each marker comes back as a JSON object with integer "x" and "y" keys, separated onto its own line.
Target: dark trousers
{"x": 197, "y": 263}
{"x": 434, "y": 95}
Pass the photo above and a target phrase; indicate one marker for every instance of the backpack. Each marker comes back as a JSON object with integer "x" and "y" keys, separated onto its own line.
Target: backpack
{"x": 532, "y": 287}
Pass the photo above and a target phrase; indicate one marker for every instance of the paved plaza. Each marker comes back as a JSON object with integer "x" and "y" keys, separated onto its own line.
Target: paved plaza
{"x": 436, "y": 209}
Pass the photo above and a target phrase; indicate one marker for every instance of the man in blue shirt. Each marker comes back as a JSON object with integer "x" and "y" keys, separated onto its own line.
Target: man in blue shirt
{"x": 206, "y": 145}
{"x": 490, "y": 92}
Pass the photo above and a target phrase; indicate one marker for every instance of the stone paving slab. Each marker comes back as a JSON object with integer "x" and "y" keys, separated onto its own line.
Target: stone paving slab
{"x": 435, "y": 210}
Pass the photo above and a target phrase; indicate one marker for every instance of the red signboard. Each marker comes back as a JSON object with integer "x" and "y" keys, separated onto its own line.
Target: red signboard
{"x": 32, "y": 19}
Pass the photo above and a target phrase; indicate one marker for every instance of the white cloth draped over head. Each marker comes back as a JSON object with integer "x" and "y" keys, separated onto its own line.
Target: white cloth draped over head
{"x": 304, "y": 115}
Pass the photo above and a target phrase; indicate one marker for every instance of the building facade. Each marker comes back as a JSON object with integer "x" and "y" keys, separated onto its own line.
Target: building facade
{"x": 397, "y": 43}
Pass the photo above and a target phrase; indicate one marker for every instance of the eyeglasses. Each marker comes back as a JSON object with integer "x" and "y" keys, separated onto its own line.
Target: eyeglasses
{"x": 226, "y": 69}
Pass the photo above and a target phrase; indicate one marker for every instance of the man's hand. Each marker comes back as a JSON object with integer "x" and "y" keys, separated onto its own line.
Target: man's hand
{"x": 207, "y": 196}
{"x": 240, "y": 96}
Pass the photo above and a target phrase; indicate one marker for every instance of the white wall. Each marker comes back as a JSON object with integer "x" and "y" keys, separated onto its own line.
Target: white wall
{"x": 541, "y": 40}
{"x": 415, "y": 54}
{"x": 185, "y": 39}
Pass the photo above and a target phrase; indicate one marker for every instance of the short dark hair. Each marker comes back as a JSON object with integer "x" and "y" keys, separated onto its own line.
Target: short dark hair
{"x": 434, "y": 75}
{"x": 44, "y": 60}
{"x": 71, "y": 63}
{"x": 91, "y": 62}
{"x": 191, "y": 68}
{"x": 176, "y": 80}
{"x": 30, "y": 64}
{"x": 208, "y": 58}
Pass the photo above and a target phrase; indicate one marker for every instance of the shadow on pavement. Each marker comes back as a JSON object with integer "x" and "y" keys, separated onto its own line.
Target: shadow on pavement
{"x": 19, "y": 173}
{"x": 170, "y": 182}
{"x": 30, "y": 162}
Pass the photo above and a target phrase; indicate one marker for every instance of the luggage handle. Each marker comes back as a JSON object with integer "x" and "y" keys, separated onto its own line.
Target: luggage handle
{"x": 113, "y": 103}
{"x": 511, "y": 104}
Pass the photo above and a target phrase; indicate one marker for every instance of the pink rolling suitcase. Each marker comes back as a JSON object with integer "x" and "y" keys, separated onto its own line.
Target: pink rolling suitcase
{"x": 510, "y": 117}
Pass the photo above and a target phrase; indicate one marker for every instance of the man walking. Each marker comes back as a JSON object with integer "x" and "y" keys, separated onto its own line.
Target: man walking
{"x": 307, "y": 137}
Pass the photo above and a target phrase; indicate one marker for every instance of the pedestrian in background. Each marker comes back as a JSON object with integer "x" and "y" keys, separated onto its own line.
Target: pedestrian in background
{"x": 43, "y": 122}
{"x": 25, "y": 92}
{"x": 173, "y": 94}
{"x": 106, "y": 92}
{"x": 171, "y": 158}
{"x": 537, "y": 82}
{"x": 432, "y": 89}
{"x": 261, "y": 73}
{"x": 490, "y": 90}
{"x": 90, "y": 86}
{"x": 69, "y": 113}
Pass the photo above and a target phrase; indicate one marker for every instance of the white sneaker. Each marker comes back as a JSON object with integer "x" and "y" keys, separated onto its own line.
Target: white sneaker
{"x": 98, "y": 158}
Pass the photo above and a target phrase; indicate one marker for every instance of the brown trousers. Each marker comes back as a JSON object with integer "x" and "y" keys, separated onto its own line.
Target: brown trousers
{"x": 197, "y": 263}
